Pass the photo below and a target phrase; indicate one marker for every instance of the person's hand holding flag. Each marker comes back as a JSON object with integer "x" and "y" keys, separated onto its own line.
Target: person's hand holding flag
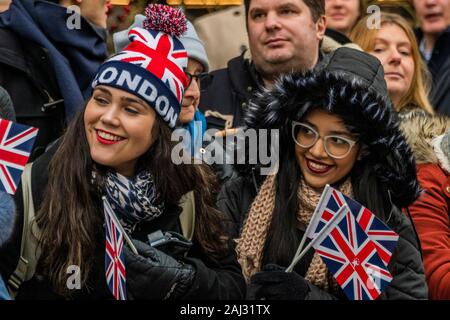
{"x": 355, "y": 245}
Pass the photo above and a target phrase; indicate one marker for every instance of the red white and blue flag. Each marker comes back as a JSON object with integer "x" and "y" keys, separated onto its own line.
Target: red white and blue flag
{"x": 332, "y": 200}
{"x": 114, "y": 255}
{"x": 352, "y": 258}
{"x": 16, "y": 143}
{"x": 160, "y": 54}
{"x": 384, "y": 238}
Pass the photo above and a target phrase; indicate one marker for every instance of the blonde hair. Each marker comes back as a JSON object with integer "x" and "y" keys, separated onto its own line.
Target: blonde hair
{"x": 417, "y": 95}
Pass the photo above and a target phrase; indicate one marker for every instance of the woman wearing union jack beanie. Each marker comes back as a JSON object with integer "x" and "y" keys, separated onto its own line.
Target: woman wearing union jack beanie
{"x": 110, "y": 201}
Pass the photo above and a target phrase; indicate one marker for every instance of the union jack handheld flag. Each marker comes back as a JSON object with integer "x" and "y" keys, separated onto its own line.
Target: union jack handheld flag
{"x": 331, "y": 200}
{"x": 352, "y": 258}
{"x": 384, "y": 238}
{"x": 16, "y": 142}
{"x": 327, "y": 207}
{"x": 114, "y": 255}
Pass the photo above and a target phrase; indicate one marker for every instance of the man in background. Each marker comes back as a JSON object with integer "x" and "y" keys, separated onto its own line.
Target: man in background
{"x": 434, "y": 42}
{"x": 284, "y": 36}
{"x": 47, "y": 61}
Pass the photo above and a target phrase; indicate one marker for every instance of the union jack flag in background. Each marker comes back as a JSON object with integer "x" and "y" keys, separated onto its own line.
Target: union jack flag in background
{"x": 16, "y": 143}
{"x": 352, "y": 258}
{"x": 114, "y": 255}
{"x": 158, "y": 53}
{"x": 329, "y": 204}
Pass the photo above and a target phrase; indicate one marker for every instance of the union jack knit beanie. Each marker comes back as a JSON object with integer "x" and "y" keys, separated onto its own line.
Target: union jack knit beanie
{"x": 152, "y": 65}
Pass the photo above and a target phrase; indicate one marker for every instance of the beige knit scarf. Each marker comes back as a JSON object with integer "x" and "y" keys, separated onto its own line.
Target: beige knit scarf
{"x": 251, "y": 243}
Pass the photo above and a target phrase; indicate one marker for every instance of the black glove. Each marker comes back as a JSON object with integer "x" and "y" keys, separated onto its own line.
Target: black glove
{"x": 273, "y": 283}
{"x": 171, "y": 243}
{"x": 155, "y": 275}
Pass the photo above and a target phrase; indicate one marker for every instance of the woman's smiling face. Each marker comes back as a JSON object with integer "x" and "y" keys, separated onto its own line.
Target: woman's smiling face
{"x": 119, "y": 128}
{"x": 317, "y": 166}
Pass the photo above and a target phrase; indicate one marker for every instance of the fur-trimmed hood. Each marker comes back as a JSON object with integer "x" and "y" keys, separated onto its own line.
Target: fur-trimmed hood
{"x": 7, "y": 214}
{"x": 420, "y": 129}
{"x": 366, "y": 113}
{"x": 441, "y": 146}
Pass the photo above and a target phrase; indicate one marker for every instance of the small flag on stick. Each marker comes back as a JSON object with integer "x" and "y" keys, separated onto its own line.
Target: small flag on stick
{"x": 16, "y": 143}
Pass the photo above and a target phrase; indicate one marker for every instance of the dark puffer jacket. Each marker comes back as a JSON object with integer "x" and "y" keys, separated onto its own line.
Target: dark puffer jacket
{"x": 406, "y": 266}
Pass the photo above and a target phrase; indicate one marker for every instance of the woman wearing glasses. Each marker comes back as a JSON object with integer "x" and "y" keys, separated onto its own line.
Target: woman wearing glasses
{"x": 335, "y": 128}
{"x": 197, "y": 69}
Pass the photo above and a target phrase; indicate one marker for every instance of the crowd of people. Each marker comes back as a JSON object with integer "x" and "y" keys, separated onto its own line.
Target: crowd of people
{"x": 364, "y": 110}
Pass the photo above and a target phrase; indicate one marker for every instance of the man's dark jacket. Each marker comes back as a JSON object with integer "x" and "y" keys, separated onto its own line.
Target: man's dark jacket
{"x": 439, "y": 66}
{"x": 229, "y": 93}
{"x": 46, "y": 67}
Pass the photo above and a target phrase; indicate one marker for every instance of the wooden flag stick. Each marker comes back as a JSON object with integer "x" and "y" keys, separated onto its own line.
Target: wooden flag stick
{"x": 302, "y": 242}
{"x": 128, "y": 240}
{"x": 119, "y": 225}
{"x": 319, "y": 236}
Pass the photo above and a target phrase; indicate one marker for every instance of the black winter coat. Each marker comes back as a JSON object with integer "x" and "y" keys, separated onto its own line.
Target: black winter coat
{"x": 212, "y": 281}
{"x": 229, "y": 92}
{"x": 439, "y": 66}
{"x": 406, "y": 265}
{"x": 232, "y": 88}
{"x": 26, "y": 73}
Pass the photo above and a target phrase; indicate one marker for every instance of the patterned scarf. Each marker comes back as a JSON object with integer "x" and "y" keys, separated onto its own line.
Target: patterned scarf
{"x": 133, "y": 200}
{"x": 251, "y": 243}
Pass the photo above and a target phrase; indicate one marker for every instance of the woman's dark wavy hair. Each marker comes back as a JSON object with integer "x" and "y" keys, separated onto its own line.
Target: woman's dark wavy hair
{"x": 386, "y": 174}
{"x": 70, "y": 217}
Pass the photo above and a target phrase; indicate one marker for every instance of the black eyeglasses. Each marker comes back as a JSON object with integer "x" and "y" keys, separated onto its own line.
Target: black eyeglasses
{"x": 203, "y": 79}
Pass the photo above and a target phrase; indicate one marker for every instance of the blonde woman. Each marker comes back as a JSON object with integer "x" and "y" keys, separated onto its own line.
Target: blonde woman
{"x": 395, "y": 45}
